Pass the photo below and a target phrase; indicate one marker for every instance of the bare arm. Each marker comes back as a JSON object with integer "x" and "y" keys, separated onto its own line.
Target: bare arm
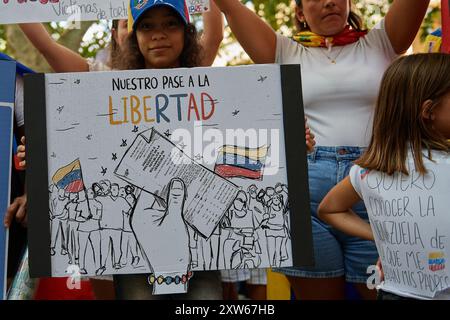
{"x": 335, "y": 209}
{"x": 60, "y": 58}
{"x": 256, "y": 37}
{"x": 403, "y": 21}
{"x": 212, "y": 35}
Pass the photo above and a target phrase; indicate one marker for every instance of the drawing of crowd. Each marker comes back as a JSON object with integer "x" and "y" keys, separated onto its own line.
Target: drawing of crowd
{"x": 94, "y": 222}
{"x": 257, "y": 218}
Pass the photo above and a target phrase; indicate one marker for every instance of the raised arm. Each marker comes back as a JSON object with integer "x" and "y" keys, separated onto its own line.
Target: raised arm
{"x": 335, "y": 209}
{"x": 60, "y": 58}
{"x": 212, "y": 34}
{"x": 403, "y": 21}
{"x": 256, "y": 37}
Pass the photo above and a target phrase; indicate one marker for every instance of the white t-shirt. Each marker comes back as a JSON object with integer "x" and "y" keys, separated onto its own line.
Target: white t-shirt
{"x": 410, "y": 220}
{"x": 339, "y": 98}
{"x": 18, "y": 106}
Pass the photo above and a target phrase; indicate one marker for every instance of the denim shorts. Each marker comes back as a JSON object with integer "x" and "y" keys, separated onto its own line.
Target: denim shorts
{"x": 335, "y": 253}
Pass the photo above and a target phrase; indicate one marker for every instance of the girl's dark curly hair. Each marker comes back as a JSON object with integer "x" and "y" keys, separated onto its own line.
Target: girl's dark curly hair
{"x": 130, "y": 56}
{"x": 114, "y": 48}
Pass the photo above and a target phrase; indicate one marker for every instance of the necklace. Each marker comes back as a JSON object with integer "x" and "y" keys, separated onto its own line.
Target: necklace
{"x": 332, "y": 60}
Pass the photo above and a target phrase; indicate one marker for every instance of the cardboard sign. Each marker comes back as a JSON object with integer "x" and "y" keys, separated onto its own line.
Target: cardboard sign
{"x": 167, "y": 171}
{"x": 73, "y": 11}
{"x": 7, "y": 94}
{"x": 198, "y": 6}
{"x": 23, "y": 11}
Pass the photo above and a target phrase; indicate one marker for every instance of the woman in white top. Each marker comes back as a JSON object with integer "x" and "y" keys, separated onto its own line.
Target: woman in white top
{"x": 341, "y": 67}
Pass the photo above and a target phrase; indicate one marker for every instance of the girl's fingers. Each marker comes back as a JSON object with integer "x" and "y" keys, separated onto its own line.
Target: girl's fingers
{"x": 10, "y": 212}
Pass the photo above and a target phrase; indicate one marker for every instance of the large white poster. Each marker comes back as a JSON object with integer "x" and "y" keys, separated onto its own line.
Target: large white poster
{"x": 161, "y": 171}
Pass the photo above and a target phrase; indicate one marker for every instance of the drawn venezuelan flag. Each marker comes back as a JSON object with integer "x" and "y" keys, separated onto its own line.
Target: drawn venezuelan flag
{"x": 69, "y": 177}
{"x": 436, "y": 261}
{"x": 239, "y": 162}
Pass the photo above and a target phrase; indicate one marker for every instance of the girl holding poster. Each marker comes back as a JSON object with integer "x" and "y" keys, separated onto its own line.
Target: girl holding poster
{"x": 342, "y": 65}
{"x": 403, "y": 180}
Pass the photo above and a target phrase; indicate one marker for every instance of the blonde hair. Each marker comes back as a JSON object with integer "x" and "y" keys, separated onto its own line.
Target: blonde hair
{"x": 399, "y": 124}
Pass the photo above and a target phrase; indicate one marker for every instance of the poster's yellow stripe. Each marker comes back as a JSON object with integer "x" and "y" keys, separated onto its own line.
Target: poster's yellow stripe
{"x": 254, "y": 154}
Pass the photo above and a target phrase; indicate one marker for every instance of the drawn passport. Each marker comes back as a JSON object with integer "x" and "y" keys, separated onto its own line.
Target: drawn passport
{"x": 152, "y": 161}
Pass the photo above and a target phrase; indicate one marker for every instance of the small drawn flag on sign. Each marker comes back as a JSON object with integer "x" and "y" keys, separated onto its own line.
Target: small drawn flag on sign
{"x": 239, "y": 162}
{"x": 436, "y": 261}
{"x": 69, "y": 177}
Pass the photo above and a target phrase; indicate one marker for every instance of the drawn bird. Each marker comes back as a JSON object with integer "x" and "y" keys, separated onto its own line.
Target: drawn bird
{"x": 124, "y": 143}
{"x": 60, "y": 109}
{"x": 182, "y": 145}
{"x": 127, "y": 173}
{"x": 114, "y": 156}
{"x": 89, "y": 136}
{"x": 262, "y": 79}
{"x": 53, "y": 155}
{"x": 104, "y": 170}
{"x": 78, "y": 81}
{"x": 135, "y": 129}
{"x": 167, "y": 134}
{"x": 198, "y": 157}
{"x": 235, "y": 113}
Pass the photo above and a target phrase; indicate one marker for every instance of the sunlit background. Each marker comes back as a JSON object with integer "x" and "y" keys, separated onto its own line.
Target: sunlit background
{"x": 93, "y": 37}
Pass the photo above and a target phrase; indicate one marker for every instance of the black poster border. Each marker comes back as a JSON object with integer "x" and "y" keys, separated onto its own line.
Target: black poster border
{"x": 296, "y": 166}
{"x": 39, "y": 237}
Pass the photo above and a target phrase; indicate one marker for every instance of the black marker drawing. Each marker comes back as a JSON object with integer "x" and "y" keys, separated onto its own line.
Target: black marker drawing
{"x": 65, "y": 129}
{"x": 135, "y": 129}
{"x": 167, "y": 134}
{"x": 182, "y": 145}
{"x": 124, "y": 143}
{"x": 262, "y": 79}
{"x": 104, "y": 171}
{"x": 114, "y": 156}
{"x": 89, "y": 136}
{"x": 60, "y": 109}
{"x": 235, "y": 112}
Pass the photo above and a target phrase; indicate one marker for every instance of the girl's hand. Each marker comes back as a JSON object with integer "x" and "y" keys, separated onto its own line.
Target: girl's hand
{"x": 310, "y": 142}
{"x": 17, "y": 210}
{"x": 21, "y": 153}
{"x": 380, "y": 270}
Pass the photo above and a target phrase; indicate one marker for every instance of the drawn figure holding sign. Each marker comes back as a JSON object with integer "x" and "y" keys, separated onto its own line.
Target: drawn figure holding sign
{"x": 403, "y": 180}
